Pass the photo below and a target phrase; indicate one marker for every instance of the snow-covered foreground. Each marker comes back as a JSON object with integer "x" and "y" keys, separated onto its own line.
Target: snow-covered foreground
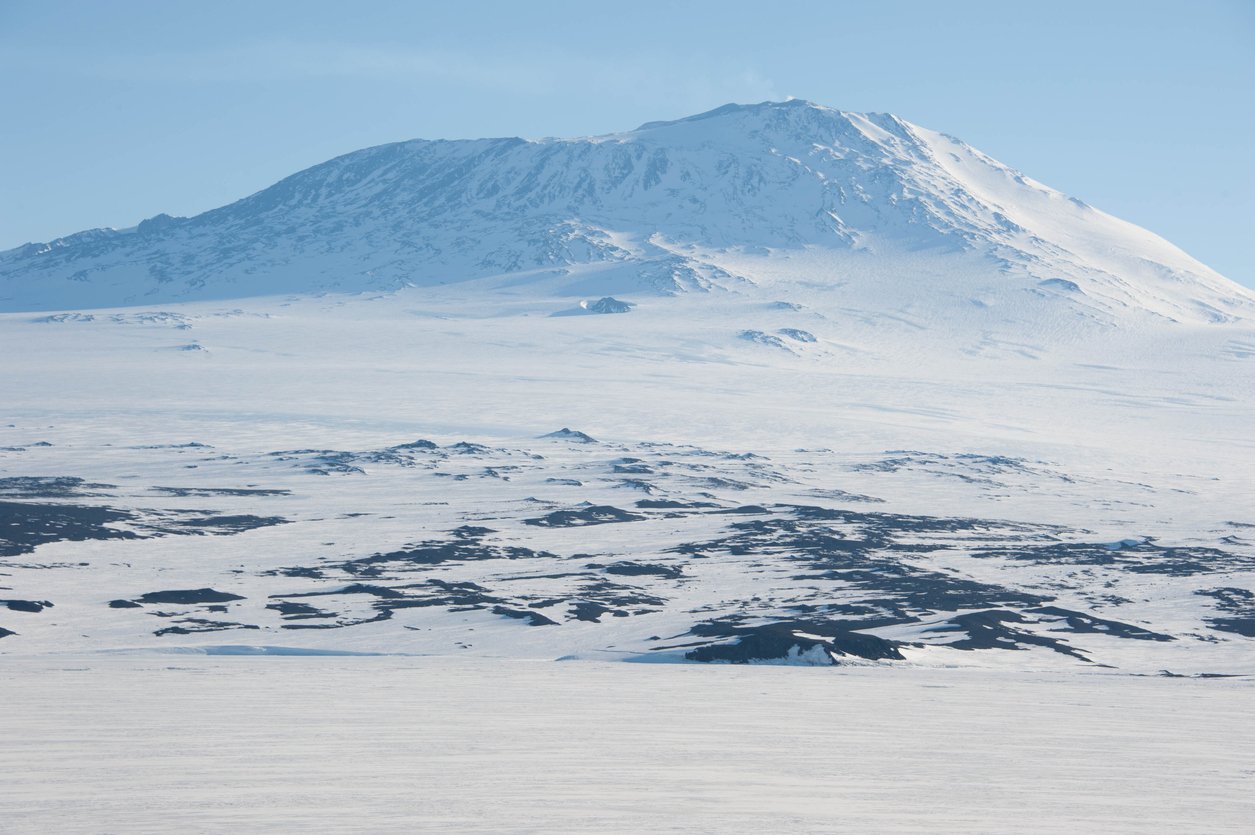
{"x": 368, "y": 474}
{"x": 176, "y": 742}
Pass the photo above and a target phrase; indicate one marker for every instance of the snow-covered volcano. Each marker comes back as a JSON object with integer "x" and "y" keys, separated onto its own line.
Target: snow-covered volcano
{"x": 721, "y": 200}
{"x": 865, "y": 396}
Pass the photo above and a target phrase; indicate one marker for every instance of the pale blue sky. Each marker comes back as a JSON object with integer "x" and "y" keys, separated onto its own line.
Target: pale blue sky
{"x": 113, "y": 112}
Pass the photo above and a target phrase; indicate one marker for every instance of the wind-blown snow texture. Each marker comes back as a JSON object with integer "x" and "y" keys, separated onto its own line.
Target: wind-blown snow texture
{"x": 187, "y": 743}
{"x": 868, "y": 397}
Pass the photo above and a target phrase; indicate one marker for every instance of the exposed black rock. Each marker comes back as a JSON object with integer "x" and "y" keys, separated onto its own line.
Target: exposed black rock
{"x": 1136, "y": 556}
{"x": 467, "y": 545}
{"x": 297, "y": 611}
{"x": 354, "y": 588}
{"x": 471, "y": 532}
{"x": 322, "y": 461}
{"x": 533, "y": 618}
{"x": 382, "y": 615}
{"x": 970, "y": 468}
{"x": 566, "y": 434}
{"x": 188, "y": 445}
{"x": 25, "y": 526}
{"x": 227, "y": 524}
{"x": 777, "y": 641}
{"x": 298, "y": 571}
{"x": 618, "y": 596}
{"x": 628, "y": 568}
{"x": 636, "y": 484}
{"x": 420, "y": 444}
{"x": 26, "y": 605}
{"x": 989, "y": 630}
{"x": 188, "y": 597}
{"x": 50, "y": 487}
{"x": 608, "y": 304}
{"x": 587, "y": 610}
{"x": 672, "y": 504}
{"x": 208, "y": 492}
{"x": 1239, "y": 604}
{"x": 843, "y": 496}
{"x": 1081, "y": 622}
{"x": 468, "y": 448}
{"x": 860, "y": 552}
{"x": 189, "y": 626}
{"x": 595, "y": 515}
{"x": 797, "y": 335}
{"x": 760, "y": 338}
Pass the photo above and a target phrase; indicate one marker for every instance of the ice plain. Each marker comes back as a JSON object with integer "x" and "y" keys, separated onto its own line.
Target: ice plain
{"x": 200, "y": 744}
{"x": 319, "y": 439}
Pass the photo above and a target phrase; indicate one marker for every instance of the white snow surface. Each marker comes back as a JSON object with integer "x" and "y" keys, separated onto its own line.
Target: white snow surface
{"x": 878, "y": 400}
{"x": 193, "y": 744}
{"x": 301, "y": 411}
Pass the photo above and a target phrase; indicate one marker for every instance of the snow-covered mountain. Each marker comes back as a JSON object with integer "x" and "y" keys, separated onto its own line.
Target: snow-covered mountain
{"x": 713, "y": 201}
{"x": 773, "y": 383}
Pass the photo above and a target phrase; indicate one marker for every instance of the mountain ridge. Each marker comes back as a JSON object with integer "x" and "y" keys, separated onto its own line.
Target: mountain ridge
{"x": 666, "y": 200}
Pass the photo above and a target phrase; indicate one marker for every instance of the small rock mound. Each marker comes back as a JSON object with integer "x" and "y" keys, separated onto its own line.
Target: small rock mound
{"x": 565, "y": 434}
{"x": 187, "y": 597}
{"x": 1061, "y": 284}
{"x": 761, "y": 338}
{"x": 607, "y": 304}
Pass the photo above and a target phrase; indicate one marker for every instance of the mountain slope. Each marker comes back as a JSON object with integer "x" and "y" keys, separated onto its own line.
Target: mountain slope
{"x": 666, "y": 208}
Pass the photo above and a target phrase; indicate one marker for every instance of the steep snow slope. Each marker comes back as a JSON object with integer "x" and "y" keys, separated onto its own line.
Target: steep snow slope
{"x": 665, "y": 206}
